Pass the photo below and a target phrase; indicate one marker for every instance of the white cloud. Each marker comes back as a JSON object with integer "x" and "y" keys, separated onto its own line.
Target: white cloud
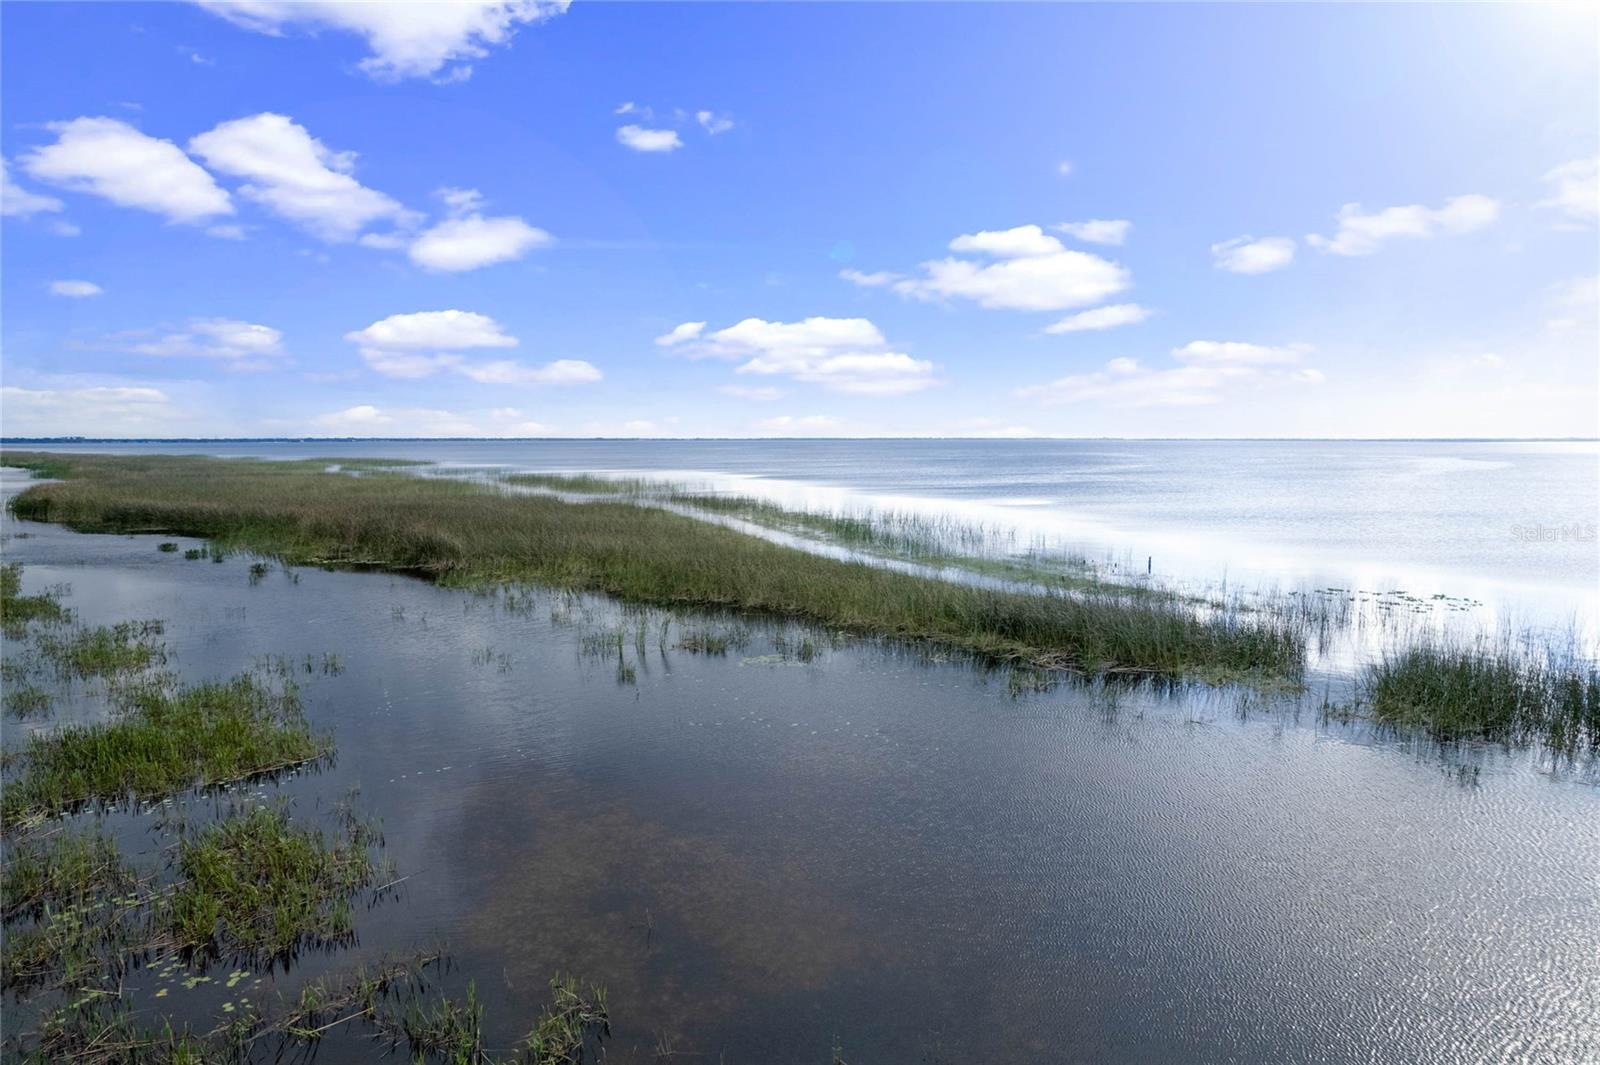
{"x": 712, "y": 122}
{"x": 1064, "y": 168}
{"x": 112, "y": 160}
{"x": 877, "y": 279}
{"x": 1034, "y": 272}
{"x": 1576, "y": 189}
{"x": 75, "y": 289}
{"x": 1013, "y": 243}
{"x": 407, "y": 40}
{"x": 1247, "y": 255}
{"x": 1363, "y": 234}
{"x": 755, "y": 393}
{"x": 1097, "y": 230}
{"x": 630, "y": 108}
{"x": 295, "y": 175}
{"x": 228, "y": 232}
{"x": 75, "y": 411}
{"x": 789, "y": 423}
{"x": 468, "y": 240}
{"x": 1207, "y": 369}
{"x": 840, "y": 354}
{"x": 411, "y": 346}
{"x": 18, "y": 202}
{"x": 1108, "y": 317}
{"x": 1235, "y": 353}
{"x": 681, "y": 334}
{"x": 641, "y": 139}
{"x": 243, "y": 345}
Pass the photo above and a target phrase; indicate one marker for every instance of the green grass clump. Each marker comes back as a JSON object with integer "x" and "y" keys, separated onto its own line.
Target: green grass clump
{"x": 63, "y": 872}
{"x": 469, "y": 533}
{"x": 256, "y": 885}
{"x": 25, "y": 701}
{"x": 582, "y": 483}
{"x": 1460, "y": 692}
{"x": 167, "y": 547}
{"x": 107, "y": 650}
{"x": 17, "y": 611}
{"x": 169, "y": 740}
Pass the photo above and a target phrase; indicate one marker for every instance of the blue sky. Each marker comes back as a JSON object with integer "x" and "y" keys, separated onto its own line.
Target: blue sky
{"x": 767, "y": 219}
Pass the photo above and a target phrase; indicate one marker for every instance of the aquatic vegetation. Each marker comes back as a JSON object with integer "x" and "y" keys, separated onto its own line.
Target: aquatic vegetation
{"x": 169, "y": 739}
{"x": 107, "y": 650}
{"x": 17, "y": 611}
{"x": 194, "y": 554}
{"x": 255, "y": 885}
{"x": 167, "y": 547}
{"x": 471, "y": 534}
{"x": 26, "y": 700}
{"x": 62, "y": 871}
{"x": 713, "y": 641}
{"x": 1455, "y": 692}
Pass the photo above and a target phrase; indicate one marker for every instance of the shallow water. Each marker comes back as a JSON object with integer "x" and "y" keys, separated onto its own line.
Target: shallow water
{"x": 1509, "y": 523}
{"x": 759, "y": 856}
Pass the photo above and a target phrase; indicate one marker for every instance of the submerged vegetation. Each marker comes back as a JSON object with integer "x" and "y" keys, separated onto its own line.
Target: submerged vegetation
{"x": 471, "y": 533}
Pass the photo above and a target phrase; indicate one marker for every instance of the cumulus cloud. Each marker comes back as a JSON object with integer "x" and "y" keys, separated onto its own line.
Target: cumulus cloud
{"x": 241, "y": 345}
{"x": 641, "y": 139}
{"x": 840, "y": 354}
{"x": 1247, "y": 255}
{"x": 110, "y": 159}
{"x": 1108, "y": 317}
{"x": 1362, "y": 234}
{"x": 681, "y": 334}
{"x": 424, "y": 343}
{"x": 467, "y": 240}
{"x": 407, "y": 40}
{"x": 1023, "y": 268}
{"x": 877, "y": 279}
{"x": 296, "y": 176}
{"x": 1206, "y": 369}
{"x": 1097, "y": 230}
{"x": 74, "y": 411}
{"x": 18, "y": 202}
{"x": 75, "y": 289}
{"x": 1575, "y": 189}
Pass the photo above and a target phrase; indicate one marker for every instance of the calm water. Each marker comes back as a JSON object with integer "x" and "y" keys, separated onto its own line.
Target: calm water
{"x": 1510, "y": 523}
{"x": 759, "y": 856}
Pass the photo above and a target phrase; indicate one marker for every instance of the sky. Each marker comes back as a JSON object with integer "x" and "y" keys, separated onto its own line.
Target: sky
{"x": 750, "y": 220}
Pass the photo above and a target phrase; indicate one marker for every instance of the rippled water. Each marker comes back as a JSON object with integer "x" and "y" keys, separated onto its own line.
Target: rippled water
{"x": 759, "y": 856}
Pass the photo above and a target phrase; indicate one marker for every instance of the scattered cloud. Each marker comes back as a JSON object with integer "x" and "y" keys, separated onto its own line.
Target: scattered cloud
{"x": 108, "y": 158}
{"x": 226, "y": 232}
{"x": 75, "y": 289}
{"x": 840, "y": 354}
{"x": 631, "y": 108}
{"x": 1108, "y": 317}
{"x": 296, "y": 176}
{"x": 467, "y": 240}
{"x": 1363, "y": 234}
{"x": 878, "y": 279}
{"x": 641, "y": 139}
{"x": 787, "y": 424}
{"x": 681, "y": 334}
{"x": 1206, "y": 370}
{"x": 242, "y": 345}
{"x": 68, "y": 411}
{"x": 411, "y": 346}
{"x": 1247, "y": 255}
{"x": 755, "y": 393}
{"x": 712, "y": 122}
{"x": 407, "y": 40}
{"x": 1031, "y": 271}
{"x": 1097, "y": 230}
{"x": 1064, "y": 168}
{"x": 1575, "y": 189}
{"x": 18, "y": 202}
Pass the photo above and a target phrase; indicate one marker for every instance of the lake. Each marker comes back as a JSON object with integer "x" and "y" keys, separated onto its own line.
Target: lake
{"x": 907, "y": 855}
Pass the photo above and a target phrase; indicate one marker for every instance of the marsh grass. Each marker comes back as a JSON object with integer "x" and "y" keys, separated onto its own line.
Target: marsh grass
{"x": 18, "y": 611}
{"x": 106, "y": 650}
{"x": 471, "y": 534}
{"x": 169, "y": 739}
{"x": 62, "y": 872}
{"x": 26, "y": 701}
{"x": 1503, "y": 693}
